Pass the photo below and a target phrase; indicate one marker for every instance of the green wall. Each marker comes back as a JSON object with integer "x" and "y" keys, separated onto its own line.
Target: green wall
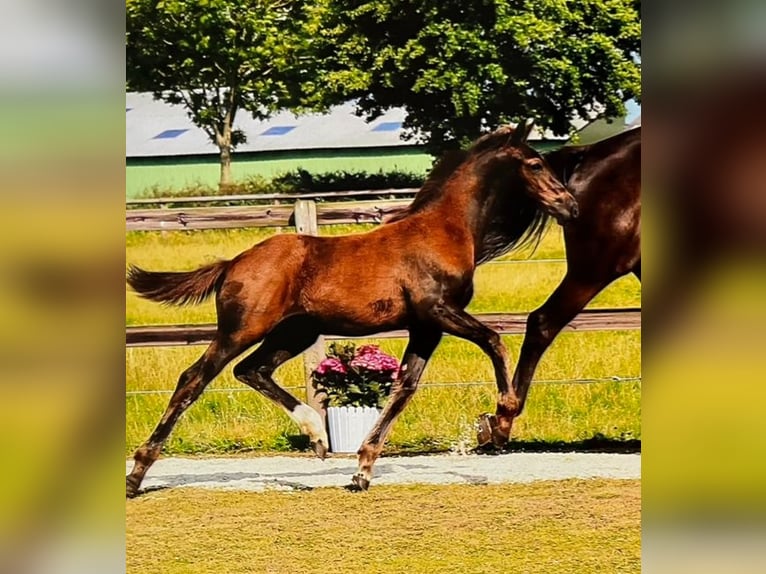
{"x": 169, "y": 173}
{"x": 177, "y": 172}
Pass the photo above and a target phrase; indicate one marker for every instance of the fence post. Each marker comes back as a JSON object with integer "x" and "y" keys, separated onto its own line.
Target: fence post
{"x": 306, "y": 224}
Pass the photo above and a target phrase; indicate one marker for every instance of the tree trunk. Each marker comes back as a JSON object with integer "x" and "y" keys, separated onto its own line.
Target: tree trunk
{"x": 225, "y": 180}
{"x": 224, "y": 145}
{"x": 223, "y": 139}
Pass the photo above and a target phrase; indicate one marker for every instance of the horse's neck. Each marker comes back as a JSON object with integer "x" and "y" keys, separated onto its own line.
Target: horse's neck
{"x": 467, "y": 204}
{"x": 471, "y": 211}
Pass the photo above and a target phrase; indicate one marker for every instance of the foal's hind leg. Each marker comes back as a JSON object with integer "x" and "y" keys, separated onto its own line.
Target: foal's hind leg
{"x": 419, "y": 350}
{"x": 289, "y": 339}
{"x": 190, "y": 385}
{"x": 456, "y": 321}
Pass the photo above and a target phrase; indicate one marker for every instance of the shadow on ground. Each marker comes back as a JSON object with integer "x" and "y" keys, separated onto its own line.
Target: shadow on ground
{"x": 595, "y": 444}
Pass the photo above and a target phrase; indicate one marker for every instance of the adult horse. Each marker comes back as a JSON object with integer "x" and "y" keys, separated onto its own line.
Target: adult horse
{"x": 416, "y": 273}
{"x": 602, "y": 244}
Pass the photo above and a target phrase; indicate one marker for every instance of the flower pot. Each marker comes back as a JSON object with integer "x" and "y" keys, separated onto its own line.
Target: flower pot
{"x": 349, "y": 426}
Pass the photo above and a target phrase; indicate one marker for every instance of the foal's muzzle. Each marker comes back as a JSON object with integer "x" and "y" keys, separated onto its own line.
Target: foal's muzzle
{"x": 565, "y": 208}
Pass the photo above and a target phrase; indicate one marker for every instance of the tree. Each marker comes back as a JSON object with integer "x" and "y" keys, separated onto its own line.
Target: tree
{"x": 217, "y": 57}
{"x": 460, "y": 67}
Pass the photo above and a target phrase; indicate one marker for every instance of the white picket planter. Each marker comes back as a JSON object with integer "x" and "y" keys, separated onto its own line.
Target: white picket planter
{"x": 349, "y": 426}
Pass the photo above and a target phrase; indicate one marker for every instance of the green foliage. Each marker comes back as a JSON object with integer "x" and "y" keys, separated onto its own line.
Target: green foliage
{"x": 302, "y": 181}
{"x": 217, "y": 57}
{"x": 458, "y": 68}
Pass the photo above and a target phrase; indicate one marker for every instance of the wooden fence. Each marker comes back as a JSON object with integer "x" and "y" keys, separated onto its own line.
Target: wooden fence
{"x": 503, "y": 323}
{"x": 306, "y": 214}
{"x": 228, "y": 217}
{"x": 255, "y": 198}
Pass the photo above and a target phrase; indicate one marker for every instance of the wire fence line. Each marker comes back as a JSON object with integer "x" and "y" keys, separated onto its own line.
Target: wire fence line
{"x": 588, "y": 381}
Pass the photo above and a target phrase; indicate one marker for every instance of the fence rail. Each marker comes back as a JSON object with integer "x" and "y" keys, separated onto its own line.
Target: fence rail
{"x": 261, "y": 197}
{"x": 228, "y": 217}
{"x": 504, "y": 323}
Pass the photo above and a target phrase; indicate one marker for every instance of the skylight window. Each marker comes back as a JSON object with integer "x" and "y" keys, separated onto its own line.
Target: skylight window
{"x": 278, "y": 130}
{"x": 387, "y": 127}
{"x": 169, "y": 134}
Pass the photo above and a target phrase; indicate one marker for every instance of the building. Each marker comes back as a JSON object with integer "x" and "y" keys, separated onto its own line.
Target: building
{"x": 165, "y": 150}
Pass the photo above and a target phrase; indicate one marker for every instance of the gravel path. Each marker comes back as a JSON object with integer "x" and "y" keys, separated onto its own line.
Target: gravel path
{"x": 299, "y": 473}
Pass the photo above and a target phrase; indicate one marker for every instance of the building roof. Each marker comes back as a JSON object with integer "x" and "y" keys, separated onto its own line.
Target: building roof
{"x": 154, "y": 128}
{"x": 603, "y": 128}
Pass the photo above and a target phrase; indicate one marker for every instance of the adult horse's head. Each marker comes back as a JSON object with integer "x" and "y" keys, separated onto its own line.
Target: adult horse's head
{"x": 532, "y": 173}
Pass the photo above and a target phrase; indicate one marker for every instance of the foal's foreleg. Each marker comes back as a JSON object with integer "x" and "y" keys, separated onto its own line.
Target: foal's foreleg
{"x": 190, "y": 385}
{"x": 419, "y": 349}
{"x": 456, "y": 321}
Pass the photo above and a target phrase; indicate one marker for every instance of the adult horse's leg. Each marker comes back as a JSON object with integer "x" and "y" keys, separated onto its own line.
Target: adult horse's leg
{"x": 190, "y": 385}
{"x": 289, "y": 339}
{"x": 419, "y": 349}
{"x": 543, "y": 325}
{"x": 456, "y": 321}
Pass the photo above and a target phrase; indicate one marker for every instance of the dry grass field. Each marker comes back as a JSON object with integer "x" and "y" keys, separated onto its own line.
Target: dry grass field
{"x": 574, "y": 526}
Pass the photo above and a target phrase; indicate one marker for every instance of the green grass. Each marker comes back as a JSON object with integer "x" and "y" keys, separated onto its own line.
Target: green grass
{"x": 439, "y": 417}
{"x": 571, "y": 526}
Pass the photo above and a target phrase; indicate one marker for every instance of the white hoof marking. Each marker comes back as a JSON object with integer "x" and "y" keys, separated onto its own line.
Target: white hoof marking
{"x": 310, "y": 423}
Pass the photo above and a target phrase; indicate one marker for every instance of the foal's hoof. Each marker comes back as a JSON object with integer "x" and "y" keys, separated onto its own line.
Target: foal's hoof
{"x": 131, "y": 487}
{"x": 319, "y": 449}
{"x": 359, "y": 483}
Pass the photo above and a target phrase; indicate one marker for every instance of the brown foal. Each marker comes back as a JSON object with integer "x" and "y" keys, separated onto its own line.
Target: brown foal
{"x": 415, "y": 273}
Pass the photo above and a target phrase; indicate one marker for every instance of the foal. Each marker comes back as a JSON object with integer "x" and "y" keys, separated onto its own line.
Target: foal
{"x": 414, "y": 273}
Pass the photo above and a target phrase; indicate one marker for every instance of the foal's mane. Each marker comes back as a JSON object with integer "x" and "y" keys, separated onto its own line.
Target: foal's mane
{"x": 432, "y": 187}
{"x": 447, "y": 165}
{"x": 519, "y": 220}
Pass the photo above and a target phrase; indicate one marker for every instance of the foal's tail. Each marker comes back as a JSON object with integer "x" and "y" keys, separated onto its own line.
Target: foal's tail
{"x": 177, "y": 288}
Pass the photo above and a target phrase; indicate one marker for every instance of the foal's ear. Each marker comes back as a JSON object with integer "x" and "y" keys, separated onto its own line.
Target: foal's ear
{"x": 522, "y": 131}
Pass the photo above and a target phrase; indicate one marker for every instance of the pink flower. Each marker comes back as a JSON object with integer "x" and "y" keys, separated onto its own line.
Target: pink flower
{"x": 331, "y": 365}
{"x": 369, "y": 357}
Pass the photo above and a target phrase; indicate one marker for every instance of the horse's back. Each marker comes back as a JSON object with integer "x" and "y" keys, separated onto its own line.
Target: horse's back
{"x": 607, "y": 184}
{"x": 608, "y": 172}
{"x": 364, "y": 283}
{"x": 264, "y": 276}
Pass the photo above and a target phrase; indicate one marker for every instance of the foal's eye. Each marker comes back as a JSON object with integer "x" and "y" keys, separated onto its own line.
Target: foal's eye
{"x": 536, "y": 167}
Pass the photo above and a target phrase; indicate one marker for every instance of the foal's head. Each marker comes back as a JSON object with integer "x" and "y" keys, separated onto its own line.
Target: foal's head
{"x": 511, "y": 158}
